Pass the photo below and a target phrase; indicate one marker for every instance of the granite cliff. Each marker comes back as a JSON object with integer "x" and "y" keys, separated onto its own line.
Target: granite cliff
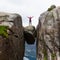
{"x": 13, "y": 36}
{"x": 11, "y": 39}
{"x": 48, "y": 35}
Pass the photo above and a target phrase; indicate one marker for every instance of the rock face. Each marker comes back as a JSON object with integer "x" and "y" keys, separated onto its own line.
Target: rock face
{"x": 48, "y": 35}
{"x": 12, "y": 48}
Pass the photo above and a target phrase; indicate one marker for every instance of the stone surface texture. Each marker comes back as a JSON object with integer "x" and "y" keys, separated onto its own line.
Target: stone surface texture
{"x": 48, "y": 35}
{"x": 12, "y": 48}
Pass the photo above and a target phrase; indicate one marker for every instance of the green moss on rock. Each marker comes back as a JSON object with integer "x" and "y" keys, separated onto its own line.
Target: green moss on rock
{"x": 3, "y": 31}
{"x": 51, "y": 8}
{"x": 45, "y": 54}
{"x": 53, "y": 55}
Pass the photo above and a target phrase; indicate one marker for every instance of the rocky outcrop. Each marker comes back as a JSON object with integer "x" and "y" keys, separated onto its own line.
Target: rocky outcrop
{"x": 13, "y": 36}
{"x": 11, "y": 42}
{"x": 29, "y": 34}
{"x": 48, "y": 35}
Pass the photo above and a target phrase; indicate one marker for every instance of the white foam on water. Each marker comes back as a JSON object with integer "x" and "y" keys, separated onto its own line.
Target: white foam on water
{"x": 25, "y": 58}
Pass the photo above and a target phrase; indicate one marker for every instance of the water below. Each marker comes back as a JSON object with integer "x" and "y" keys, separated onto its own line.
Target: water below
{"x": 30, "y": 51}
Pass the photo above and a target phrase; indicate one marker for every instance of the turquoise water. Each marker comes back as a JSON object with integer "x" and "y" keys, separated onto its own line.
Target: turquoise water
{"x": 30, "y": 58}
{"x": 30, "y": 51}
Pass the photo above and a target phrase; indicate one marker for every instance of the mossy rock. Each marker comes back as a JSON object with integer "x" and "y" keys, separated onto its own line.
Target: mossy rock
{"x": 53, "y": 55}
{"x": 3, "y": 31}
{"x": 51, "y": 8}
{"x": 45, "y": 54}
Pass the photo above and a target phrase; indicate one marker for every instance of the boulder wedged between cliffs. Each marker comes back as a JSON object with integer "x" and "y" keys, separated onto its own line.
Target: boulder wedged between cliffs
{"x": 29, "y": 34}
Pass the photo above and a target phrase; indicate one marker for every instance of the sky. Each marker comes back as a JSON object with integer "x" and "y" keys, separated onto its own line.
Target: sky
{"x": 27, "y": 8}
